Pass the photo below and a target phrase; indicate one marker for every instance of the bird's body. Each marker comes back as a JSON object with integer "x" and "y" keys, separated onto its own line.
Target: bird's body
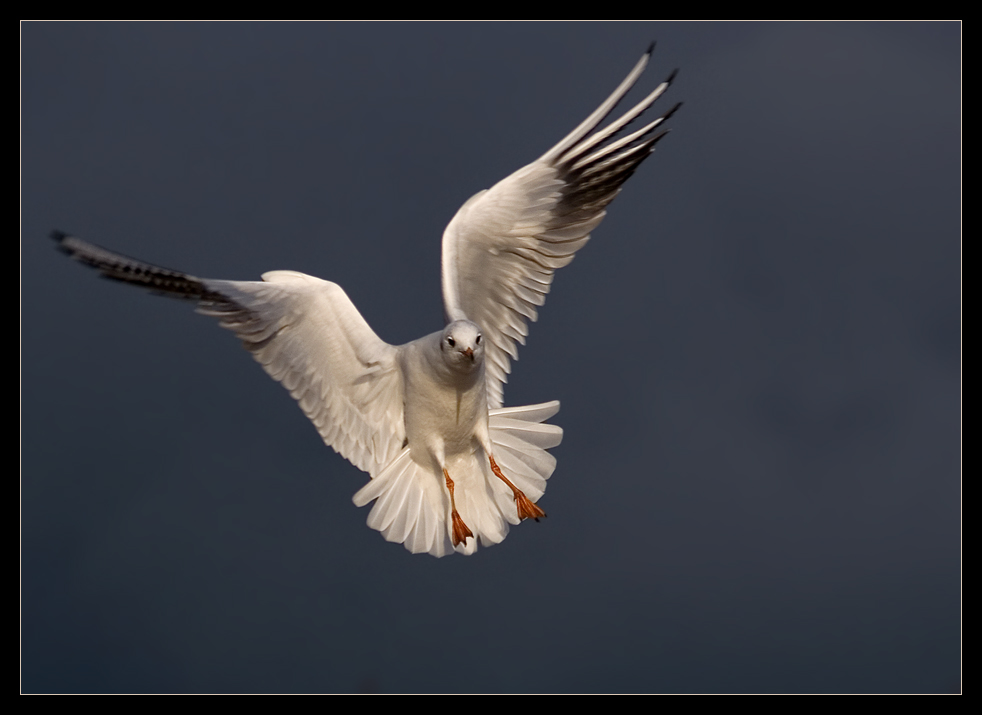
{"x": 446, "y": 402}
{"x": 449, "y": 465}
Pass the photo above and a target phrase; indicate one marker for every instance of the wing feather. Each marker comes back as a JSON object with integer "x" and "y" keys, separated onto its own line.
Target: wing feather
{"x": 503, "y": 246}
{"x": 306, "y": 333}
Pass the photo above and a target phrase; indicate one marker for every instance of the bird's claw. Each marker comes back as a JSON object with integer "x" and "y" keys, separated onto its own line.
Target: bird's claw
{"x": 526, "y": 508}
{"x": 460, "y": 530}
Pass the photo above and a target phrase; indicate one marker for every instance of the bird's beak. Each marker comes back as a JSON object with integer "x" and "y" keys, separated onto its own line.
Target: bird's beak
{"x": 469, "y": 352}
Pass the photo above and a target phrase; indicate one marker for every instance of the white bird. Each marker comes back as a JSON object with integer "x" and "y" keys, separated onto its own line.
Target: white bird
{"x": 449, "y": 465}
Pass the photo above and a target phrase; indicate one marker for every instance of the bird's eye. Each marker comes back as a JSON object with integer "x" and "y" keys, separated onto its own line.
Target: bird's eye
{"x": 478, "y": 341}
{"x": 451, "y": 342}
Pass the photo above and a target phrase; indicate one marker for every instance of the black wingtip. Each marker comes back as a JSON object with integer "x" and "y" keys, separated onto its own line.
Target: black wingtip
{"x": 657, "y": 138}
{"x": 671, "y": 77}
{"x": 60, "y": 237}
{"x": 651, "y": 48}
{"x": 672, "y": 111}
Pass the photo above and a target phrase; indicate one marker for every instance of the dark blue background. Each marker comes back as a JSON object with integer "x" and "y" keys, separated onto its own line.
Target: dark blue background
{"x": 758, "y": 356}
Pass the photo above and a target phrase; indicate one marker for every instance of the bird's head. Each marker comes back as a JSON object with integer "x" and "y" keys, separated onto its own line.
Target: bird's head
{"x": 462, "y": 346}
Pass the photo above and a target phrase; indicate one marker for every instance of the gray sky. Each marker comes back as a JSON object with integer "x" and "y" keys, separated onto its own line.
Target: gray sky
{"x": 758, "y": 358}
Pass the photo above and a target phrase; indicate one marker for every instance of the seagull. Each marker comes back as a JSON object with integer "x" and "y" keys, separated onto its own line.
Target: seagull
{"x": 449, "y": 464}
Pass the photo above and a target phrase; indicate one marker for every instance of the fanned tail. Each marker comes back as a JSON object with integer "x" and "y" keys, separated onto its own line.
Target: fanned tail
{"x": 412, "y": 507}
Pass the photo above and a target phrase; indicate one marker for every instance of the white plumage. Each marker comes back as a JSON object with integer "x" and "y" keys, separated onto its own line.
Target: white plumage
{"x": 449, "y": 465}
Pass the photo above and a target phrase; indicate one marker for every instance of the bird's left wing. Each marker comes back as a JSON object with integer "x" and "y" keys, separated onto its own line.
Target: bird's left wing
{"x": 307, "y": 334}
{"x": 502, "y": 247}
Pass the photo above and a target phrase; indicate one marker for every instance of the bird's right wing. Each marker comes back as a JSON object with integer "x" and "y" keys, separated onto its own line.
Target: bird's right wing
{"x": 503, "y": 246}
{"x": 307, "y": 334}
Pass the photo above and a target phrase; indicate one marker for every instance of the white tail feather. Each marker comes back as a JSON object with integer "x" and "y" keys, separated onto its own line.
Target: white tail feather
{"x": 412, "y": 505}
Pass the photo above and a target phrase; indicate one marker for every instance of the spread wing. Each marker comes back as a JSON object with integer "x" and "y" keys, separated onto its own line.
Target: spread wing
{"x": 307, "y": 334}
{"x": 501, "y": 249}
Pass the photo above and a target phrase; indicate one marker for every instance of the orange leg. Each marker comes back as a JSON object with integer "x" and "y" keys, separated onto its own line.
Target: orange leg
{"x": 460, "y": 530}
{"x": 526, "y": 509}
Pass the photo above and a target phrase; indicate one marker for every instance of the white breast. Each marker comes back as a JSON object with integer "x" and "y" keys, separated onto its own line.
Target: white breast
{"x": 446, "y": 412}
